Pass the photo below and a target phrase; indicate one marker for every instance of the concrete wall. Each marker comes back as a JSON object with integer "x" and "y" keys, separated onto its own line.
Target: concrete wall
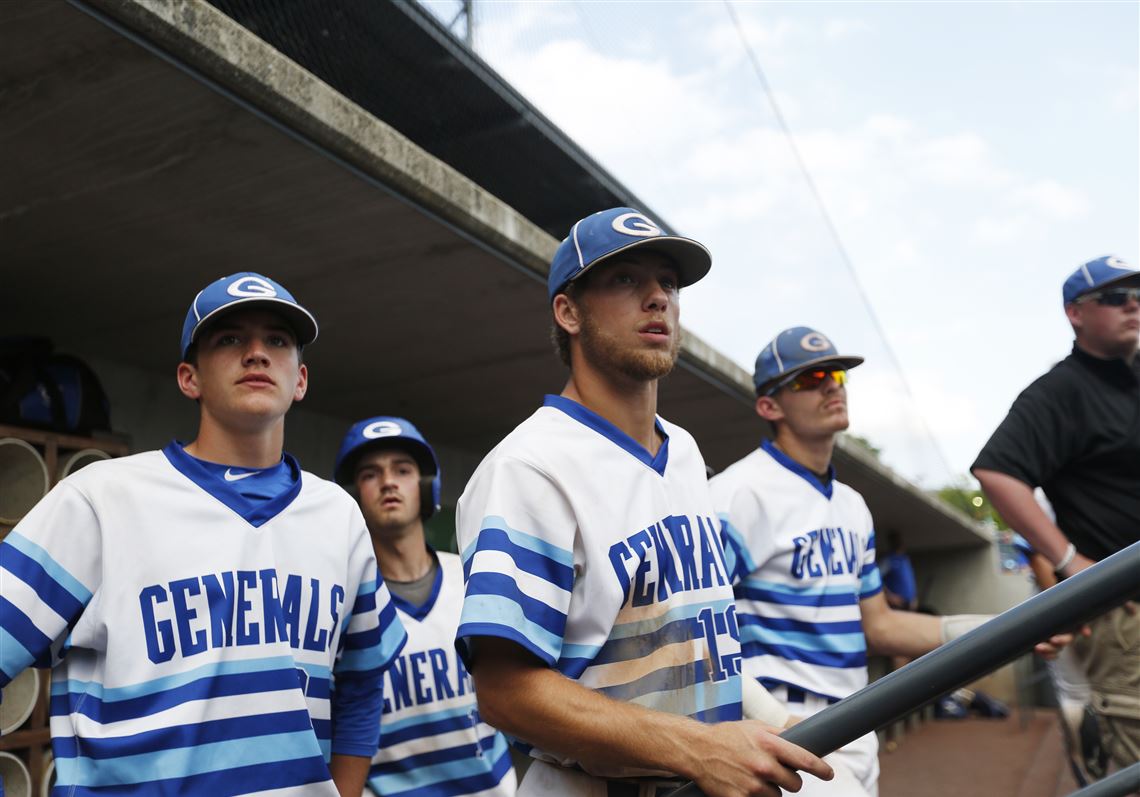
{"x": 968, "y": 580}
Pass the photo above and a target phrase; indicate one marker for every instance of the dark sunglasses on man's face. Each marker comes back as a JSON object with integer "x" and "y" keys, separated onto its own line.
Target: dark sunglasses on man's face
{"x": 812, "y": 380}
{"x": 1117, "y": 297}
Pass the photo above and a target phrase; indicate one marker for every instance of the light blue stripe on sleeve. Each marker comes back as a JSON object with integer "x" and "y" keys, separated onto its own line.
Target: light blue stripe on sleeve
{"x": 165, "y": 683}
{"x": 871, "y": 583}
{"x": 739, "y": 547}
{"x": 392, "y": 638}
{"x": 836, "y": 643}
{"x": 14, "y": 657}
{"x": 523, "y": 540}
{"x": 53, "y": 568}
{"x": 362, "y": 660}
{"x": 502, "y": 611}
{"x": 570, "y": 651}
{"x": 186, "y": 761}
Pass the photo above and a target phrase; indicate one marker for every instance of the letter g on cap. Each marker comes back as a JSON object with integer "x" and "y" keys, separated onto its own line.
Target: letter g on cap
{"x": 814, "y": 341}
{"x": 382, "y": 429}
{"x": 635, "y": 224}
{"x": 247, "y": 287}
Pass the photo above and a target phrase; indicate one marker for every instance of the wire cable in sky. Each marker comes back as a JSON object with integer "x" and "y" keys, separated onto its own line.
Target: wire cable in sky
{"x": 831, "y": 229}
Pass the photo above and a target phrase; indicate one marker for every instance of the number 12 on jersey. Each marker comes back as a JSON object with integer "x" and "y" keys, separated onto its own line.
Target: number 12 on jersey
{"x": 712, "y": 625}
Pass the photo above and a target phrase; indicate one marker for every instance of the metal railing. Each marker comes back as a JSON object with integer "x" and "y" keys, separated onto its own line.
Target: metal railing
{"x": 1118, "y": 784}
{"x": 1073, "y": 602}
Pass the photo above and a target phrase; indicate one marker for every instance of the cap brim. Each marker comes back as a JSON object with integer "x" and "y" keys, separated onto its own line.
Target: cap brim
{"x": 846, "y": 361}
{"x": 301, "y": 320}
{"x": 1128, "y": 280}
{"x": 691, "y": 258}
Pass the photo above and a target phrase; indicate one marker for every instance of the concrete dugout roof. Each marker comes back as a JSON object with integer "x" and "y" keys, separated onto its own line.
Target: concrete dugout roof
{"x": 163, "y": 145}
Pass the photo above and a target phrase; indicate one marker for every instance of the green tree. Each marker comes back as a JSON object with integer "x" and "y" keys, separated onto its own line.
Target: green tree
{"x": 972, "y": 501}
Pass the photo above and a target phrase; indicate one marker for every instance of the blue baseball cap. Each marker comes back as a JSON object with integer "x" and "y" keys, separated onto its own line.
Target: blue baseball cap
{"x": 246, "y": 289}
{"x": 386, "y": 430}
{"x": 610, "y": 232}
{"x": 792, "y": 351}
{"x": 1097, "y": 274}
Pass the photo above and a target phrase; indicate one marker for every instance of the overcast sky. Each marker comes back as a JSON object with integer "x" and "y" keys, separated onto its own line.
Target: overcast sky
{"x": 971, "y": 155}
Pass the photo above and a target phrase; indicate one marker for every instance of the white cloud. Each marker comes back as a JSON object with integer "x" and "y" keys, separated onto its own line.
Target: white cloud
{"x": 720, "y": 39}
{"x": 935, "y": 215}
{"x": 889, "y": 127}
{"x": 1027, "y": 210}
{"x": 1051, "y": 199}
{"x": 838, "y": 28}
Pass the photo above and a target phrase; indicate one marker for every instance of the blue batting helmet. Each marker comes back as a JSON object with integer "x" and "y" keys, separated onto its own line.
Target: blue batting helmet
{"x": 387, "y": 431}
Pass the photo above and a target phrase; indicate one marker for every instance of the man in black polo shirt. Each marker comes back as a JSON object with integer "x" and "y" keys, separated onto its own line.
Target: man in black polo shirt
{"x": 1075, "y": 432}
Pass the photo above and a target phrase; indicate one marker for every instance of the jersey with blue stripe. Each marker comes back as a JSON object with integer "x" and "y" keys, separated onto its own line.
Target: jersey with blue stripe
{"x": 802, "y": 556}
{"x": 604, "y": 562}
{"x": 202, "y": 643}
{"x": 432, "y": 742}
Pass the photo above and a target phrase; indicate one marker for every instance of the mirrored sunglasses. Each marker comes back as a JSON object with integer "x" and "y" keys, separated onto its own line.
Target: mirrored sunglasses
{"x": 811, "y": 380}
{"x": 1117, "y": 297}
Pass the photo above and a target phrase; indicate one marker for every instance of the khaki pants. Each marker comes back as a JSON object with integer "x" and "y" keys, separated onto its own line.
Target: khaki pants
{"x": 1111, "y": 659}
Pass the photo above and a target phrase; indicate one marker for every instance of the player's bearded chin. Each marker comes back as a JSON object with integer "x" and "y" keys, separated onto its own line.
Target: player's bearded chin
{"x": 642, "y": 364}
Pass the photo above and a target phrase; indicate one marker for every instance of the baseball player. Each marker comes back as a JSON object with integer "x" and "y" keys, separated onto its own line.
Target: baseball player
{"x": 212, "y": 612}
{"x": 800, "y": 548}
{"x": 432, "y": 742}
{"x": 598, "y": 620}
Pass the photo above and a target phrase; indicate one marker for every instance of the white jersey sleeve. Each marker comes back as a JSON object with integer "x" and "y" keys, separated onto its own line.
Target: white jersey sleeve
{"x": 742, "y": 526}
{"x": 519, "y": 574}
{"x": 50, "y": 568}
{"x": 373, "y": 636}
{"x": 870, "y": 579}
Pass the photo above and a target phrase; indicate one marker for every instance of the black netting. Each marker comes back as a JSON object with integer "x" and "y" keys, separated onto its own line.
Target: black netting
{"x": 396, "y": 61}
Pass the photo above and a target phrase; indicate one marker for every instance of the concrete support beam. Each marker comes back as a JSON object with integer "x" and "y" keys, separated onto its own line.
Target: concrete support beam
{"x": 199, "y": 36}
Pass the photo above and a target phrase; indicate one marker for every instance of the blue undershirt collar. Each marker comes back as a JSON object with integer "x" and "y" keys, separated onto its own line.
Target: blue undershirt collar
{"x": 603, "y": 427}
{"x": 256, "y": 495}
{"x": 800, "y": 470}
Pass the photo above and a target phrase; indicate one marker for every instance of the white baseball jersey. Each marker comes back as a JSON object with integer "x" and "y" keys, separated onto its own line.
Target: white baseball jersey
{"x": 205, "y": 644}
{"x": 802, "y": 556}
{"x": 432, "y": 742}
{"x": 604, "y": 562}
